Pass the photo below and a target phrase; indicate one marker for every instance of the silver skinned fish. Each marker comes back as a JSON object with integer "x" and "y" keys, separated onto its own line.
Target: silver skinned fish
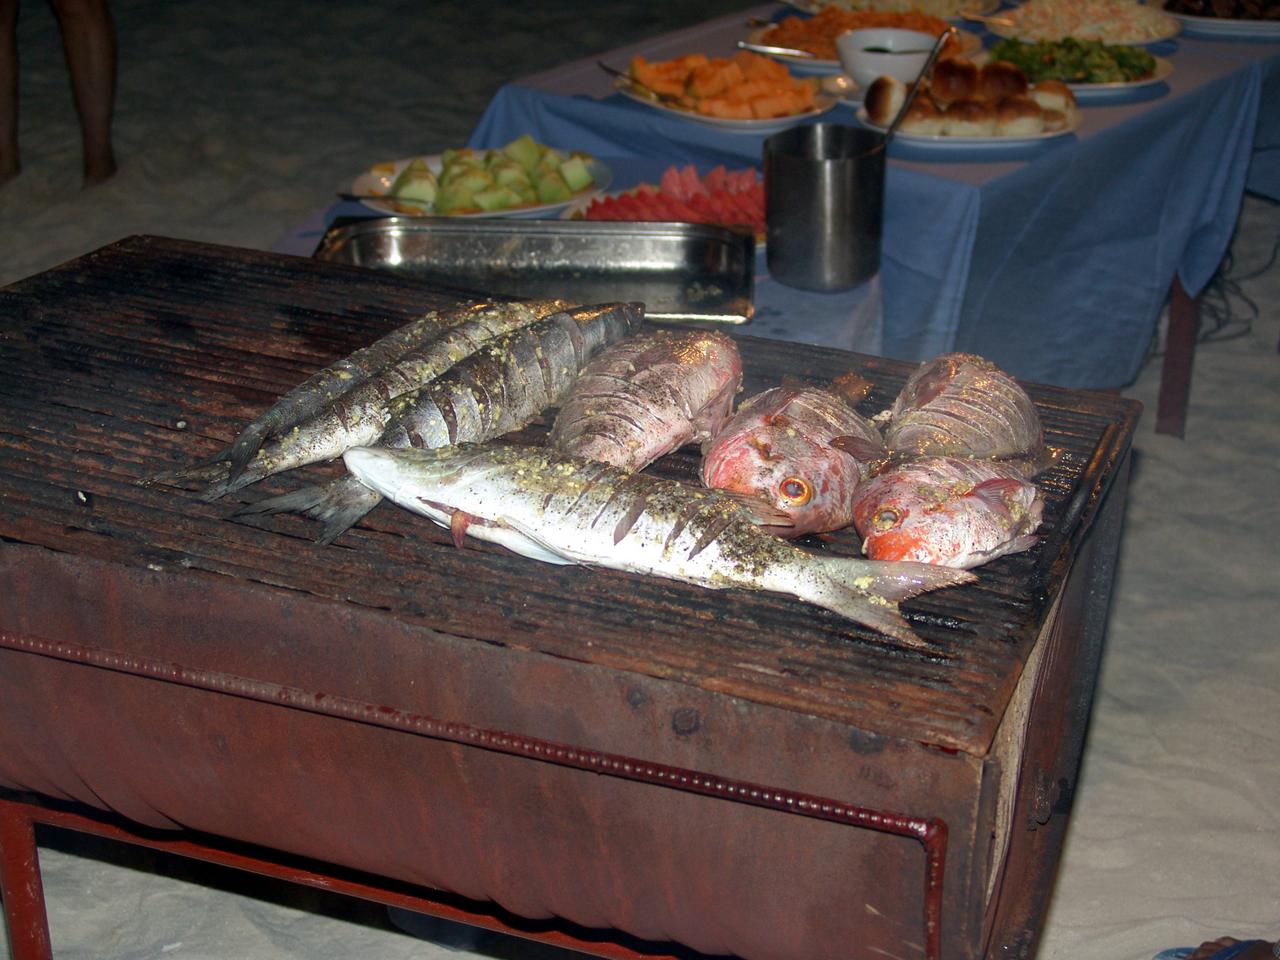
{"x": 360, "y": 415}
{"x": 649, "y": 395}
{"x": 501, "y": 387}
{"x": 322, "y": 388}
{"x": 559, "y": 509}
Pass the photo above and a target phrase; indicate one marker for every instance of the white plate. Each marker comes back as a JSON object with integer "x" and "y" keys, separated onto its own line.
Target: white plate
{"x": 981, "y": 7}
{"x": 968, "y": 144}
{"x": 1114, "y": 90}
{"x": 770, "y": 125}
{"x": 379, "y": 178}
{"x": 971, "y": 43}
{"x": 1169, "y": 29}
{"x": 1226, "y": 28}
{"x": 1092, "y": 92}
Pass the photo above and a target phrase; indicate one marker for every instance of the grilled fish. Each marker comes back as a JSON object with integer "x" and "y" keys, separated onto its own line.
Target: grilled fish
{"x": 960, "y": 405}
{"x": 360, "y": 415}
{"x": 803, "y": 449}
{"x": 649, "y": 395}
{"x": 322, "y": 388}
{"x": 949, "y": 511}
{"x": 501, "y": 387}
{"x": 547, "y": 506}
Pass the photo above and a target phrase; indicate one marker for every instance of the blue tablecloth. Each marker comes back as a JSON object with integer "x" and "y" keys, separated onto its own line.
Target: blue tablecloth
{"x": 1053, "y": 263}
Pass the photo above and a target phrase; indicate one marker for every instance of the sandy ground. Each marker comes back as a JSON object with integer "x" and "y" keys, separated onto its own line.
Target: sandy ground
{"x": 233, "y": 130}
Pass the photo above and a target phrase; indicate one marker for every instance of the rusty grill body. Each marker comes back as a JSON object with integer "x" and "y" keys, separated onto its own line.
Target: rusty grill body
{"x": 581, "y": 756}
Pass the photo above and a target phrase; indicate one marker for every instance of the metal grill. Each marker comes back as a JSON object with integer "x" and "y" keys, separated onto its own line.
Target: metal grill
{"x": 152, "y": 353}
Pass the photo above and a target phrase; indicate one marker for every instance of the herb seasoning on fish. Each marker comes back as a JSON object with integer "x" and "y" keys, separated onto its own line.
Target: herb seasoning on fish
{"x": 559, "y": 509}
{"x": 360, "y": 415}
{"x": 501, "y": 387}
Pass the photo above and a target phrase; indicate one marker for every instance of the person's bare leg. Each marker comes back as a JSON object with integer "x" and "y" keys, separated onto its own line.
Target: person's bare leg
{"x": 9, "y": 164}
{"x": 89, "y": 40}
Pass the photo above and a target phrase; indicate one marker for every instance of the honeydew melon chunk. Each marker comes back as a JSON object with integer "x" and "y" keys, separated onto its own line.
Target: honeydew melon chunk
{"x": 472, "y": 179}
{"x": 552, "y": 188}
{"x": 526, "y": 150}
{"x": 454, "y": 197}
{"x": 509, "y": 172}
{"x": 460, "y": 155}
{"x": 415, "y": 182}
{"x": 575, "y": 173}
{"x": 496, "y": 198}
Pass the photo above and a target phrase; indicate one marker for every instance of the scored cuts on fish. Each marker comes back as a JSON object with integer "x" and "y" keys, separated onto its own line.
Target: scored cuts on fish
{"x": 649, "y": 395}
{"x": 559, "y": 509}
{"x": 499, "y": 388}
{"x": 349, "y": 404}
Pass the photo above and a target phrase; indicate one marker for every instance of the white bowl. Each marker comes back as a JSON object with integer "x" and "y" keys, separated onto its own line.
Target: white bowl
{"x": 862, "y": 59}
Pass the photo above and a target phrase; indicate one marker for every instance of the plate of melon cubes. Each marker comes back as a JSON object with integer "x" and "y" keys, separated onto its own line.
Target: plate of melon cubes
{"x": 524, "y": 178}
{"x": 747, "y": 92}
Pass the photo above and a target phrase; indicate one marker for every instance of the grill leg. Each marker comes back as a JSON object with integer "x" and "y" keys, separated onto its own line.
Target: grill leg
{"x": 20, "y": 885}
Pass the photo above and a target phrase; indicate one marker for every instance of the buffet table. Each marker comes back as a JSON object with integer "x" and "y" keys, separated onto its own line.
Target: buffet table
{"x": 1053, "y": 261}
{"x": 612, "y": 762}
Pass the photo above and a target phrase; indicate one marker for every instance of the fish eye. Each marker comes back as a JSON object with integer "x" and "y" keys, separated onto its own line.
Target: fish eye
{"x": 795, "y": 491}
{"x": 886, "y": 518}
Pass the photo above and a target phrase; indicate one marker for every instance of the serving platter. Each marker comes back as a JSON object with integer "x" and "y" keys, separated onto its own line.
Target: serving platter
{"x": 1225, "y": 28}
{"x": 823, "y": 103}
{"x": 969, "y": 145}
{"x": 1169, "y": 28}
{"x": 1093, "y": 92}
{"x": 377, "y": 181}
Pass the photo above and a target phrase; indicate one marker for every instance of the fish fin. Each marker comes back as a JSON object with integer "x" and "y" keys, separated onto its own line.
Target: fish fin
{"x": 868, "y": 592}
{"x": 901, "y": 579}
{"x": 997, "y": 491}
{"x": 337, "y": 505}
{"x": 759, "y": 510}
{"x": 851, "y": 387}
{"x": 459, "y": 520}
{"x": 861, "y": 449}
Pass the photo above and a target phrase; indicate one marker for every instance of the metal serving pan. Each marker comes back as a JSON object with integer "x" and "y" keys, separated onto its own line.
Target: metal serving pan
{"x": 681, "y": 271}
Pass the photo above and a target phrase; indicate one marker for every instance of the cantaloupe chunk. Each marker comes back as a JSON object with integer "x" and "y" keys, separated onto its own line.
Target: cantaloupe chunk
{"x": 728, "y": 109}
{"x": 780, "y": 104}
{"x": 713, "y": 78}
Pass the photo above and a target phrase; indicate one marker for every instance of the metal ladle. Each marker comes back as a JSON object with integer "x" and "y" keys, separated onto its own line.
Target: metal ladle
{"x": 912, "y": 91}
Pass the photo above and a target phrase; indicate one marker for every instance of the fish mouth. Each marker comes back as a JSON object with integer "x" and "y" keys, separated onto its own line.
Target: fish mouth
{"x": 895, "y": 545}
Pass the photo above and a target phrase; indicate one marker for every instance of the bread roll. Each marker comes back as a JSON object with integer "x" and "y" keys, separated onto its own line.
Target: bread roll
{"x": 999, "y": 80}
{"x": 924, "y": 118}
{"x": 1019, "y": 117}
{"x": 1054, "y": 95}
{"x": 1055, "y": 120}
{"x": 884, "y": 99}
{"x": 954, "y": 80}
{"x": 969, "y": 118}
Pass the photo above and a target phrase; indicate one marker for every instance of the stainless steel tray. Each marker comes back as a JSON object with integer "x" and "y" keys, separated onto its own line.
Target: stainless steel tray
{"x": 681, "y": 271}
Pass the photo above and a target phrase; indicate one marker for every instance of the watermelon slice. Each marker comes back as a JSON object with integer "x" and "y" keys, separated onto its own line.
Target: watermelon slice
{"x": 723, "y": 196}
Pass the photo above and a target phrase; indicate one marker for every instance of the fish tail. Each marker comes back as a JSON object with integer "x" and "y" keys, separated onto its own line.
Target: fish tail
{"x": 337, "y": 505}
{"x": 869, "y": 591}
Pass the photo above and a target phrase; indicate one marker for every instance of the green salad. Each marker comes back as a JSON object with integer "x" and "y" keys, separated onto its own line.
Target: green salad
{"x": 1076, "y": 61}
